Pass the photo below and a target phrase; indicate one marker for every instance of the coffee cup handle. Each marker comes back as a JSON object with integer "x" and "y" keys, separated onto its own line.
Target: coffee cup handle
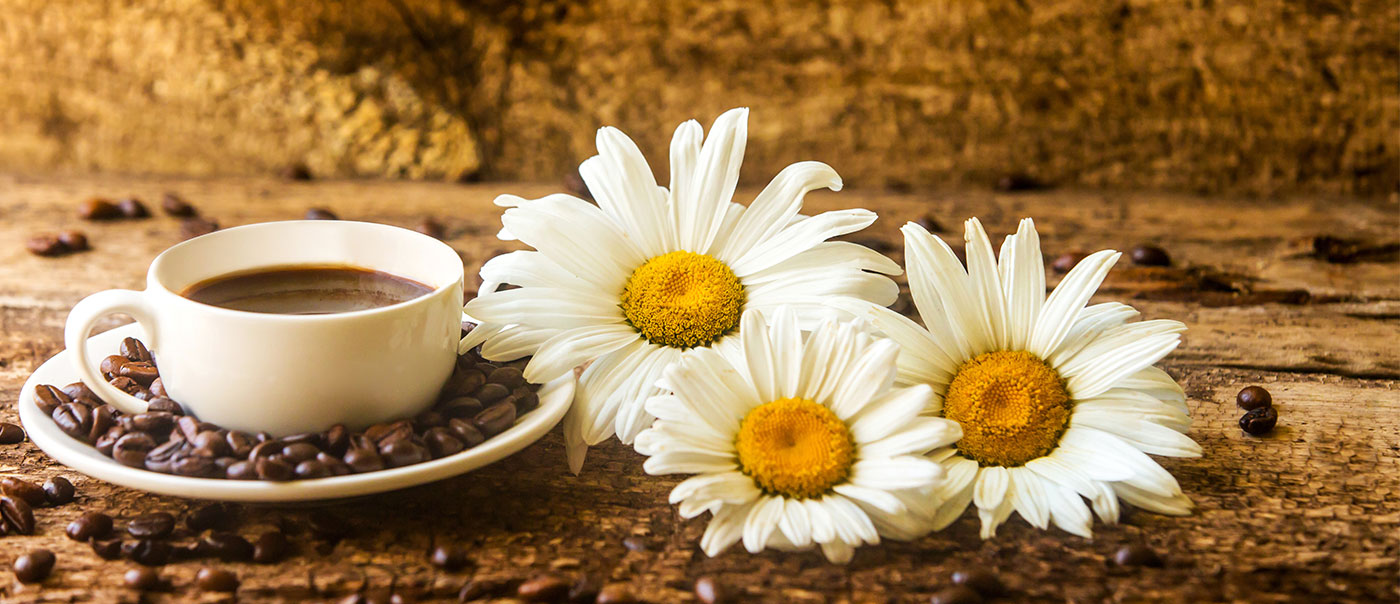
{"x": 75, "y": 336}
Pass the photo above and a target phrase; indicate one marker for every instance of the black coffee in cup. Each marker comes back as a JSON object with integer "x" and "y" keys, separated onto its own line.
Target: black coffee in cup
{"x": 305, "y": 290}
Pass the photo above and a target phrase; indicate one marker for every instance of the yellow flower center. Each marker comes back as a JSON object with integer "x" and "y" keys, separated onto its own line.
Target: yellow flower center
{"x": 1012, "y": 407}
{"x": 683, "y": 299}
{"x": 795, "y": 448}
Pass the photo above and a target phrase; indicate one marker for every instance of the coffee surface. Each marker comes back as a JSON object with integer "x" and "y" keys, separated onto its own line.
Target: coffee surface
{"x": 305, "y": 290}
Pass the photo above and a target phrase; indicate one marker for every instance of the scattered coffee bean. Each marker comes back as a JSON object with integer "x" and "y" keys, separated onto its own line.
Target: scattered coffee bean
{"x": 148, "y": 552}
{"x": 107, "y": 549}
{"x": 956, "y": 594}
{"x": 320, "y": 214}
{"x": 58, "y": 490}
{"x": 215, "y": 579}
{"x": 175, "y": 206}
{"x": 1064, "y": 262}
{"x": 270, "y": 548}
{"x": 544, "y": 588}
{"x": 98, "y": 208}
{"x": 1259, "y": 421}
{"x": 431, "y": 228}
{"x": 11, "y": 434}
{"x": 709, "y": 590}
{"x": 143, "y": 579}
{"x": 155, "y": 525}
{"x": 1017, "y": 182}
{"x": 1254, "y": 397}
{"x": 1137, "y": 555}
{"x": 31, "y": 493}
{"x": 1149, "y": 255}
{"x": 449, "y": 557}
{"x": 132, "y": 207}
{"x": 211, "y": 516}
{"x": 74, "y": 240}
{"x": 296, "y": 171}
{"x": 34, "y": 566}
{"x": 983, "y": 581}
{"x": 615, "y": 594}
{"x": 495, "y": 419}
{"x": 195, "y": 226}
{"x": 17, "y": 515}
{"x": 89, "y": 526}
{"x": 46, "y": 244}
{"x": 226, "y": 546}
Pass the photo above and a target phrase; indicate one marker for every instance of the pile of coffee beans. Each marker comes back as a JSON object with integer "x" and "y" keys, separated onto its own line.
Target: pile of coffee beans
{"x": 480, "y": 400}
{"x": 1260, "y": 416}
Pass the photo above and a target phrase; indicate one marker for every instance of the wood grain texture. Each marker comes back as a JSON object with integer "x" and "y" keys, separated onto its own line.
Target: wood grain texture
{"x": 1309, "y": 513}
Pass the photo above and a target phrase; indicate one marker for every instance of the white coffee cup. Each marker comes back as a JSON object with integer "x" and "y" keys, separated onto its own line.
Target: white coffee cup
{"x": 284, "y": 373}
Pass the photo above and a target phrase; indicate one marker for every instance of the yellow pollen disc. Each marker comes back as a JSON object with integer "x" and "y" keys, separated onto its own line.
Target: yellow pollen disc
{"x": 683, "y": 299}
{"x": 795, "y": 448}
{"x": 1012, "y": 407}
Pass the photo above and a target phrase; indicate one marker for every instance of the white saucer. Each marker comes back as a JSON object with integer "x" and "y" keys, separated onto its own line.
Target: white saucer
{"x": 554, "y": 401}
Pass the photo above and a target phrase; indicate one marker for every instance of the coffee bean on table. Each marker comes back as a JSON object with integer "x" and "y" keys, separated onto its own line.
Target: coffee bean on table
{"x": 449, "y": 557}
{"x": 98, "y": 208}
{"x": 211, "y": 516}
{"x": 1137, "y": 555}
{"x": 148, "y": 552}
{"x": 226, "y": 546}
{"x": 175, "y": 206}
{"x": 91, "y": 525}
{"x": 17, "y": 515}
{"x": 108, "y": 549}
{"x": 709, "y": 590}
{"x": 31, "y": 493}
{"x": 956, "y": 594}
{"x": 983, "y": 581}
{"x": 1254, "y": 397}
{"x": 142, "y": 578}
{"x": 155, "y": 525}
{"x": 270, "y": 547}
{"x": 1149, "y": 255}
{"x": 58, "y": 490}
{"x": 132, "y": 207}
{"x": 194, "y": 227}
{"x": 216, "y": 579}
{"x": 132, "y": 448}
{"x": 73, "y": 240}
{"x": 34, "y": 566}
{"x": 495, "y": 419}
{"x": 1259, "y": 421}
{"x": 46, "y": 244}
{"x": 363, "y": 460}
{"x": 544, "y": 588}
{"x": 10, "y": 434}
{"x": 139, "y": 371}
{"x": 320, "y": 214}
{"x": 615, "y": 594}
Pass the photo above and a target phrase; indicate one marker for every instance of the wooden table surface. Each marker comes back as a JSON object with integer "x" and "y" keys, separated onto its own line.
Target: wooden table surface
{"x": 1308, "y": 513}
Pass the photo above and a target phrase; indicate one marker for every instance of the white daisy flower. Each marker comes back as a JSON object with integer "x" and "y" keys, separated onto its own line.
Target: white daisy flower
{"x": 1056, "y": 401}
{"x": 797, "y": 440}
{"x": 628, "y": 285}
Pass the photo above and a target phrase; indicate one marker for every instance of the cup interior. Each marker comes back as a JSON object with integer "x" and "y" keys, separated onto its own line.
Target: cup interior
{"x": 380, "y": 247}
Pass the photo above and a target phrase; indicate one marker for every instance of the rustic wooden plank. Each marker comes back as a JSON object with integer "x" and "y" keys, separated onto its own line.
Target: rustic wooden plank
{"x": 1309, "y": 512}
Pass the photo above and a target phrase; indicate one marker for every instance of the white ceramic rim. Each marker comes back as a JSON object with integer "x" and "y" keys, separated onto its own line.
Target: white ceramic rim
{"x": 555, "y": 398}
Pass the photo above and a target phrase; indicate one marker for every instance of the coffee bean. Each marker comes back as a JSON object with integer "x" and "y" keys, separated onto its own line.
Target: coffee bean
{"x": 491, "y": 393}
{"x": 266, "y": 448}
{"x": 1017, "y": 182}
{"x": 153, "y": 422}
{"x": 524, "y": 399}
{"x": 296, "y": 171}
{"x": 148, "y": 552}
{"x": 1259, "y": 421}
{"x": 73, "y": 240}
{"x": 194, "y": 227}
{"x": 380, "y": 433}
{"x": 135, "y": 351}
{"x": 983, "y": 581}
{"x": 10, "y": 434}
{"x": 956, "y": 594}
{"x": 211, "y": 516}
{"x": 274, "y": 468}
{"x": 441, "y": 443}
{"x": 34, "y": 566}
{"x": 174, "y": 205}
{"x": 545, "y": 588}
{"x": 104, "y": 418}
{"x": 466, "y": 432}
{"x": 461, "y": 406}
{"x": 337, "y": 439}
{"x": 112, "y": 364}
{"x": 139, "y": 371}
{"x": 312, "y": 469}
{"x": 364, "y": 460}
{"x": 16, "y": 515}
{"x": 466, "y": 382}
{"x": 270, "y": 548}
{"x": 403, "y": 452}
{"x": 1254, "y": 397}
{"x": 143, "y": 579}
{"x": 320, "y": 214}
{"x": 1149, "y": 255}
{"x": 310, "y": 438}
{"x": 154, "y": 525}
{"x": 615, "y": 594}
{"x": 226, "y": 546}
{"x": 334, "y": 465}
{"x": 584, "y": 590}
{"x": 91, "y": 525}
{"x": 127, "y": 385}
{"x": 449, "y": 557}
{"x": 48, "y": 398}
{"x": 46, "y": 244}
{"x": 477, "y": 589}
{"x": 299, "y": 452}
{"x": 131, "y": 449}
{"x": 190, "y": 427}
{"x": 325, "y": 525}
{"x": 108, "y": 549}
{"x": 162, "y": 458}
{"x": 1137, "y": 555}
{"x": 709, "y": 590}
{"x": 108, "y": 441}
{"x": 58, "y": 490}
{"x": 79, "y": 392}
{"x": 495, "y": 419}
{"x": 132, "y": 207}
{"x": 213, "y": 442}
{"x": 31, "y": 493}
{"x": 215, "y": 579}
{"x": 431, "y": 228}
{"x": 98, "y": 208}
{"x": 509, "y": 377}
{"x": 429, "y": 419}
{"x": 160, "y": 404}
{"x": 74, "y": 419}
{"x": 1064, "y": 262}
{"x": 200, "y": 464}
{"x": 242, "y": 470}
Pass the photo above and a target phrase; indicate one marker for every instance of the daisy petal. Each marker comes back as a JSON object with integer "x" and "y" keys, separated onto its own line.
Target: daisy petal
{"x": 892, "y": 414}
{"x": 569, "y": 349}
{"x": 725, "y": 529}
{"x": 705, "y": 198}
{"x": 1023, "y": 278}
{"x": 761, "y": 522}
{"x": 1028, "y": 497}
{"x": 776, "y": 205}
{"x": 987, "y": 295}
{"x": 1118, "y": 353}
{"x": 1064, "y": 305}
{"x": 799, "y": 237}
{"x": 917, "y": 436}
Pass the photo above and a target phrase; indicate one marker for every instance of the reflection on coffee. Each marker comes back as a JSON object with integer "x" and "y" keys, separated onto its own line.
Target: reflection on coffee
{"x": 305, "y": 290}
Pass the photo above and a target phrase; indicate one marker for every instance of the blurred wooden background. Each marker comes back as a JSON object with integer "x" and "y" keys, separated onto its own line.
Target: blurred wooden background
{"x": 1245, "y": 98}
